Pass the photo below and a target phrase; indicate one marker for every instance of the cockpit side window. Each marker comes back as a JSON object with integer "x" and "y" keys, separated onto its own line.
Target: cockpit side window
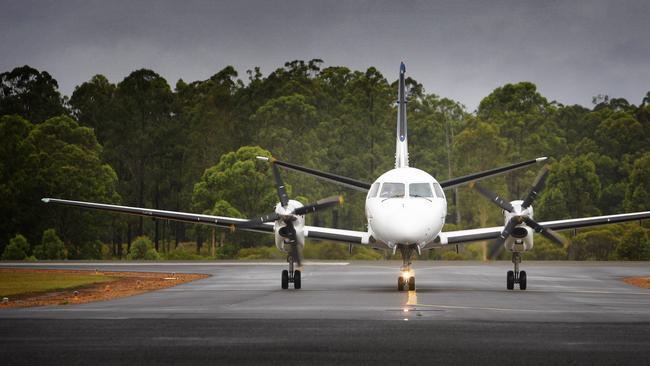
{"x": 420, "y": 190}
{"x": 392, "y": 190}
{"x": 373, "y": 190}
{"x": 439, "y": 191}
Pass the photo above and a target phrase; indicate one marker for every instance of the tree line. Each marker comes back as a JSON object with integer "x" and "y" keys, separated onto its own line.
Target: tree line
{"x": 141, "y": 142}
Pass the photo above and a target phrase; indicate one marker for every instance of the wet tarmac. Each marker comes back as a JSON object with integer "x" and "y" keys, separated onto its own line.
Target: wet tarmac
{"x": 347, "y": 313}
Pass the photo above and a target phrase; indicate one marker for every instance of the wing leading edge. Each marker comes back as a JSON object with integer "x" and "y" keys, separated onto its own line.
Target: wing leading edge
{"x": 313, "y": 232}
{"x": 471, "y": 235}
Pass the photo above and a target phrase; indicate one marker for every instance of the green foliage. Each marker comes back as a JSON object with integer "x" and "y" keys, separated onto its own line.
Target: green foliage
{"x": 260, "y": 253}
{"x": 364, "y": 253}
{"x": 637, "y": 196}
{"x": 593, "y": 245}
{"x": 142, "y": 248}
{"x": 450, "y": 255}
{"x": 572, "y": 190}
{"x": 182, "y": 253}
{"x": 31, "y": 94}
{"x": 17, "y": 249}
{"x": 194, "y": 148}
{"x": 545, "y": 250}
{"x": 326, "y": 251}
{"x": 51, "y": 246}
{"x": 635, "y": 245}
{"x": 228, "y": 251}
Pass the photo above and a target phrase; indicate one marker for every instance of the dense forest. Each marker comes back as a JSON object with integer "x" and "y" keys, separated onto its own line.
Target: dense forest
{"x": 141, "y": 142}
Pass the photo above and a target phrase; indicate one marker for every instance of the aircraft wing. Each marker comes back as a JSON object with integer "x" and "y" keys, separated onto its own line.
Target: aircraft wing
{"x": 472, "y": 235}
{"x": 314, "y": 232}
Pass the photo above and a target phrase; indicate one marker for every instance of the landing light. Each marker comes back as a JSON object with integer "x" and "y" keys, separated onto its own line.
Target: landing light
{"x": 406, "y": 275}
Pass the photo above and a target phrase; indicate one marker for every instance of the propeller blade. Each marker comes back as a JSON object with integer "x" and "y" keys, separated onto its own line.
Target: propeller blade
{"x": 505, "y": 233}
{"x": 260, "y": 220}
{"x": 548, "y": 233}
{"x": 536, "y": 188}
{"x": 320, "y": 204}
{"x": 495, "y": 249}
{"x": 498, "y": 200}
{"x": 282, "y": 191}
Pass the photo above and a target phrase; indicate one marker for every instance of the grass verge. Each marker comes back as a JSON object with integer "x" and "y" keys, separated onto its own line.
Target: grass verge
{"x": 14, "y": 282}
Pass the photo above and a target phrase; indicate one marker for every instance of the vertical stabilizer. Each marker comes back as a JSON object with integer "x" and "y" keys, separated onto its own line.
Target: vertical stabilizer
{"x": 401, "y": 148}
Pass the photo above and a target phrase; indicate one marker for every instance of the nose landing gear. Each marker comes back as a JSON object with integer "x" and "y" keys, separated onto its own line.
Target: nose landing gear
{"x": 516, "y": 276}
{"x": 291, "y": 275}
{"x": 406, "y": 281}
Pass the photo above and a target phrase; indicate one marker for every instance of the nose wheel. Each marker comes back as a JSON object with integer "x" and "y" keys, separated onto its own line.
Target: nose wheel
{"x": 516, "y": 276}
{"x": 406, "y": 281}
{"x": 291, "y": 276}
{"x": 404, "y": 284}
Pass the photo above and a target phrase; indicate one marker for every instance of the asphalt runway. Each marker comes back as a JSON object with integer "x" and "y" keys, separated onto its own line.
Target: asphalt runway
{"x": 347, "y": 313}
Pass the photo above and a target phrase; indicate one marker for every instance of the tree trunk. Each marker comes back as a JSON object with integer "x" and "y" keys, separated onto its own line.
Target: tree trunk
{"x": 128, "y": 238}
{"x": 213, "y": 242}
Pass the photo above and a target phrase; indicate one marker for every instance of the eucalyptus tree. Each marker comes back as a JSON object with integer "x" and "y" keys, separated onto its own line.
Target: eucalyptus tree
{"x": 30, "y": 93}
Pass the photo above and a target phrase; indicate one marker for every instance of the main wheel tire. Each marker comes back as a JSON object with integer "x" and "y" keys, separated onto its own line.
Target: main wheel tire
{"x": 510, "y": 280}
{"x": 522, "y": 280}
{"x": 412, "y": 284}
{"x": 296, "y": 280}
{"x": 285, "y": 279}
{"x": 400, "y": 283}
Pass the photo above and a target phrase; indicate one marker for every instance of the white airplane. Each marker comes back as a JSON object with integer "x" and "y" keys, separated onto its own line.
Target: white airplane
{"x": 405, "y": 208}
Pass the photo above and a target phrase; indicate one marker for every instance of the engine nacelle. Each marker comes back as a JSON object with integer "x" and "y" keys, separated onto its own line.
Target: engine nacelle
{"x": 280, "y": 227}
{"x": 520, "y": 240}
{"x": 521, "y": 237}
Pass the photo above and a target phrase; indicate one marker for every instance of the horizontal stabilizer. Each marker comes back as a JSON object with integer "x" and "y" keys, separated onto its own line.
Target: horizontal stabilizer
{"x": 488, "y": 173}
{"x": 338, "y": 179}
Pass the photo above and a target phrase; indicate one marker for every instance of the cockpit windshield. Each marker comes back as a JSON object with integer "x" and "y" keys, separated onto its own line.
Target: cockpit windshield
{"x": 420, "y": 190}
{"x": 392, "y": 190}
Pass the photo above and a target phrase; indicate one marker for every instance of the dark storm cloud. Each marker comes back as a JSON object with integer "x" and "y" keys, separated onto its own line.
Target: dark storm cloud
{"x": 458, "y": 49}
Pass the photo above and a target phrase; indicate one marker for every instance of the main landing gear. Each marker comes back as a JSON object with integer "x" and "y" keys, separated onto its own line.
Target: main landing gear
{"x": 406, "y": 280}
{"x": 516, "y": 276}
{"x": 291, "y": 275}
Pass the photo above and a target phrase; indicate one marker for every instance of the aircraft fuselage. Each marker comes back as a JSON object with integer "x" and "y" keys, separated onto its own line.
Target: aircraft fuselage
{"x": 405, "y": 206}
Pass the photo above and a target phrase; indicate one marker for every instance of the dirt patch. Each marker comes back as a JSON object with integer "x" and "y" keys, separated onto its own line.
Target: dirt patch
{"x": 643, "y": 282}
{"x": 125, "y": 284}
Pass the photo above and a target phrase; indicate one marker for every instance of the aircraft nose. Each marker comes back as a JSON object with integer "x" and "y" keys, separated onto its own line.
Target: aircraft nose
{"x": 400, "y": 224}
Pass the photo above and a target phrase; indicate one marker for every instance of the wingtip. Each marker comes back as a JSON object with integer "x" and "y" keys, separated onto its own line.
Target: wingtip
{"x": 543, "y": 158}
{"x": 341, "y": 200}
{"x": 45, "y": 200}
{"x": 262, "y": 158}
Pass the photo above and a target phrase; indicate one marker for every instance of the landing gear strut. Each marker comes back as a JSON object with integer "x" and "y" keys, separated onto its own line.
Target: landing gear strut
{"x": 406, "y": 281}
{"x": 291, "y": 275}
{"x": 516, "y": 276}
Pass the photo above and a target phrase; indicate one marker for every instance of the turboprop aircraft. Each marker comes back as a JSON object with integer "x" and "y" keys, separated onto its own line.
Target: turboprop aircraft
{"x": 405, "y": 209}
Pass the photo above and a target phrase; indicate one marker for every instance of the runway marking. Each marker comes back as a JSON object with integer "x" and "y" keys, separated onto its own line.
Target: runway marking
{"x": 215, "y": 264}
{"x": 460, "y": 307}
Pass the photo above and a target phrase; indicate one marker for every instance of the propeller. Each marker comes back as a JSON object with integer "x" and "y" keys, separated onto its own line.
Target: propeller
{"x": 289, "y": 216}
{"x": 519, "y": 217}
{"x": 498, "y": 200}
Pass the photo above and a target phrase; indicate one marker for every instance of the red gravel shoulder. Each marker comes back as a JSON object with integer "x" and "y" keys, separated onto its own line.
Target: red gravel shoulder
{"x": 125, "y": 284}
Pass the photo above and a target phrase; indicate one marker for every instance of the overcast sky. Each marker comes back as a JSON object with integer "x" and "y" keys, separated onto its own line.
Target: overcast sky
{"x": 456, "y": 49}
